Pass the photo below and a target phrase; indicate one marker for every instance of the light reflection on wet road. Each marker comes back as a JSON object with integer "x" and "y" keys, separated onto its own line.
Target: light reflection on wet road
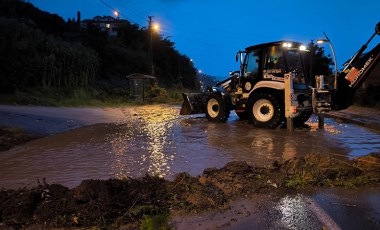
{"x": 156, "y": 140}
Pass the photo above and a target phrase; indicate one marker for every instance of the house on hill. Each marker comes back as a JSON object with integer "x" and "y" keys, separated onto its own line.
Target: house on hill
{"x": 107, "y": 24}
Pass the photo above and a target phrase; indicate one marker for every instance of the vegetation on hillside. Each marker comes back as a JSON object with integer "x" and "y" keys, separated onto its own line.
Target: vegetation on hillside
{"x": 40, "y": 53}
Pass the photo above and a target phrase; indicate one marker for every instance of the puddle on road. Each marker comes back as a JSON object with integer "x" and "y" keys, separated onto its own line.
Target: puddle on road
{"x": 156, "y": 140}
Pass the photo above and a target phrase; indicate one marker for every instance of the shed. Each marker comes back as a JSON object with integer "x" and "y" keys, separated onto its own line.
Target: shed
{"x": 140, "y": 86}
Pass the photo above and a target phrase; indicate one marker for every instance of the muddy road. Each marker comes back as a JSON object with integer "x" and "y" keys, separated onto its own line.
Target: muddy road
{"x": 132, "y": 142}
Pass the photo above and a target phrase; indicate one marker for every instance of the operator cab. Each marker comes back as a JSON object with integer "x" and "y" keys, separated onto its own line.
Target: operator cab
{"x": 270, "y": 62}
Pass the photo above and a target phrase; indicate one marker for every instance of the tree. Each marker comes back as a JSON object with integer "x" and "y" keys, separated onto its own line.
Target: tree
{"x": 19, "y": 56}
{"x": 30, "y": 58}
{"x": 317, "y": 63}
{"x": 48, "y": 23}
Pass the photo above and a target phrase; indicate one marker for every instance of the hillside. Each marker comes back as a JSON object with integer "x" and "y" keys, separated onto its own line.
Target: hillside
{"x": 41, "y": 52}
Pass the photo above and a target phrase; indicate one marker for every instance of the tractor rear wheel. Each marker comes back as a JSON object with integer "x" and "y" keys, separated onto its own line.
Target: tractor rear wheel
{"x": 266, "y": 110}
{"x": 217, "y": 108}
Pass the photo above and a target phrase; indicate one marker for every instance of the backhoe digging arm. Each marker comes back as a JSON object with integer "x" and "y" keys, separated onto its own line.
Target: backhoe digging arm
{"x": 355, "y": 73}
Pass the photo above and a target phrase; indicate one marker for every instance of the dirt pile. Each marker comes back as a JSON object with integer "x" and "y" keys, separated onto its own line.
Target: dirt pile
{"x": 327, "y": 171}
{"x": 10, "y": 137}
{"x": 113, "y": 203}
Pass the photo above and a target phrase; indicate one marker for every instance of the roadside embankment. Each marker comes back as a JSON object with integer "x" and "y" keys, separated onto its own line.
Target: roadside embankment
{"x": 362, "y": 116}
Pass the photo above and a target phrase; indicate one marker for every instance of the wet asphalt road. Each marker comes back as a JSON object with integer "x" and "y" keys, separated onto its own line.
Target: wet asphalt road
{"x": 113, "y": 142}
{"x": 43, "y": 121}
{"x": 325, "y": 208}
{"x": 130, "y": 142}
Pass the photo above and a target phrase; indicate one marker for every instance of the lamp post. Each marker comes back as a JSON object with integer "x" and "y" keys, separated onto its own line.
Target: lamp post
{"x": 312, "y": 52}
{"x": 153, "y": 27}
{"x": 320, "y": 41}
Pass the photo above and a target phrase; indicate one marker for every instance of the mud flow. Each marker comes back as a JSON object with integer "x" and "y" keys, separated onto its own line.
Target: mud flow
{"x": 155, "y": 140}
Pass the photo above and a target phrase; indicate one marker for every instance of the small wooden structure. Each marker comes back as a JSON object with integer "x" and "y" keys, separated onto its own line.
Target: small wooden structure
{"x": 140, "y": 86}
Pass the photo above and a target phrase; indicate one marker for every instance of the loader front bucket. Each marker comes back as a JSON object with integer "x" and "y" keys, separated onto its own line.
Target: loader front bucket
{"x": 193, "y": 103}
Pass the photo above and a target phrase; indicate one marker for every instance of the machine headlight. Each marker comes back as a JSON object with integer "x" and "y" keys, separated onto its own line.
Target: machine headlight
{"x": 287, "y": 44}
{"x": 302, "y": 47}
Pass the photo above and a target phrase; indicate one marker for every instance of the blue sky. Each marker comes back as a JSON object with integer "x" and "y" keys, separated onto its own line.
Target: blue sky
{"x": 211, "y": 32}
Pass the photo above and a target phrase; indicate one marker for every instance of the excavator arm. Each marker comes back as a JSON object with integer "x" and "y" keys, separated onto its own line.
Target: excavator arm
{"x": 355, "y": 73}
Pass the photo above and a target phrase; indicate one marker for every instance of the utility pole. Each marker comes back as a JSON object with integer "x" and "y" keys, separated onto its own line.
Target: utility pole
{"x": 150, "y": 28}
{"x": 312, "y": 54}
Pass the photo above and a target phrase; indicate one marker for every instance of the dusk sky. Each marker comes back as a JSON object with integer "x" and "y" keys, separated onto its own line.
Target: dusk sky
{"x": 211, "y": 32}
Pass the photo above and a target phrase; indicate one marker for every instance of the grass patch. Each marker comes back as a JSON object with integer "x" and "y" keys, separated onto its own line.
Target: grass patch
{"x": 65, "y": 97}
{"x": 160, "y": 221}
{"x": 295, "y": 182}
{"x": 50, "y": 97}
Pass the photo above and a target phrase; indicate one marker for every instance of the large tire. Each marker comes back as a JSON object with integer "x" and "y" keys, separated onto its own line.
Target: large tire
{"x": 217, "y": 108}
{"x": 266, "y": 110}
{"x": 302, "y": 118}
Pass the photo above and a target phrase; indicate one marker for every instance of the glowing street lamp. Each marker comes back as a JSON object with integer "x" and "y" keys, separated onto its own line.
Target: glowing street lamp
{"x": 116, "y": 14}
{"x": 321, "y": 41}
{"x": 156, "y": 27}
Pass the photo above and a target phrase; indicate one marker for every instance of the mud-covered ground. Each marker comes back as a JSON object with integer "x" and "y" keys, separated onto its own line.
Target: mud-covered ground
{"x": 114, "y": 203}
{"x": 10, "y": 137}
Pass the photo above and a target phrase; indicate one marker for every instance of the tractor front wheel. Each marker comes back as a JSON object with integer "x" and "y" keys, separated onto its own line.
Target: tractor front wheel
{"x": 217, "y": 108}
{"x": 266, "y": 110}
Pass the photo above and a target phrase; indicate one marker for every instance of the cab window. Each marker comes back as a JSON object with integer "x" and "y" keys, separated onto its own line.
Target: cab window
{"x": 274, "y": 63}
{"x": 252, "y": 64}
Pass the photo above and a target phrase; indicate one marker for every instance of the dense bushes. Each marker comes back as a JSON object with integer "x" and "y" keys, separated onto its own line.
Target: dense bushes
{"x": 30, "y": 58}
{"x": 39, "y": 50}
{"x": 65, "y": 64}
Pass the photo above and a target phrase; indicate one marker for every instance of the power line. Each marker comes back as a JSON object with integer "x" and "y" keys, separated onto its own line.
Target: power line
{"x": 196, "y": 29}
{"x": 140, "y": 14}
{"x": 198, "y": 33}
{"x": 115, "y": 10}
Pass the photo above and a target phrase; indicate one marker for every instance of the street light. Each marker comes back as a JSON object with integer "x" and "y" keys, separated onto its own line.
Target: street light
{"x": 116, "y": 14}
{"x": 156, "y": 27}
{"x": 320, "y": 41}
{"x": 153, "y": 27}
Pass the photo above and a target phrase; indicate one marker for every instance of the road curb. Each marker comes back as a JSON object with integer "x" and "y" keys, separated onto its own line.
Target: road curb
{"x": 361, "y": 121}
{"x": 322, "y": 215}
